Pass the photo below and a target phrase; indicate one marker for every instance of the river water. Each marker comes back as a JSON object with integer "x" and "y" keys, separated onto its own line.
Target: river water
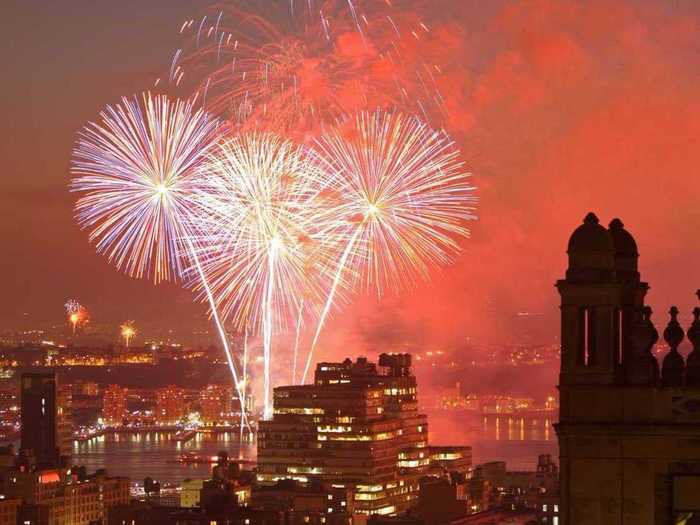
{"x": 513, "y": 439}
{"x": 137, "y": 456}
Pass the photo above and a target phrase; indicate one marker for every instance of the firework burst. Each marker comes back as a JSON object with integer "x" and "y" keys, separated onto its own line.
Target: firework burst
{"x": 290, "y": 66}
{"x": 406, "y": 198}
{"x": 134, "y": 170}
{"x": 77, "y": 314}
{"x": 265, "y": 242}
{"x": 128, "y": 332}
{"x": 135, "y": 173}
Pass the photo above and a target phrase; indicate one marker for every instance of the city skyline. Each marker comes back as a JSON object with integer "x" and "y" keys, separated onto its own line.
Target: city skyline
{"x": 350, "y": 262}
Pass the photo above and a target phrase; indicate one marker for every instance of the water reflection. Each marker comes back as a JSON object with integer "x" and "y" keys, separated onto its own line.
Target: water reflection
{"x": 516, "y": 439}
{"x": 152, "y": 454}
{"x": 518, "y": 428}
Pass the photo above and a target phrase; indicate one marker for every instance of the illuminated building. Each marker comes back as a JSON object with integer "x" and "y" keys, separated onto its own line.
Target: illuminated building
{"x": 190, "y": 493}
{"x": 314, "y": 503}
{"x": 114, "y": 405}
{"x": 39, "y": 436}
{"x": 170, "y": 405}
{"x": 357, "y": 425}
{"x": 628, "y": 429}
{"x": 139, "y": 513}
{"x": 64, "y": 420}
{"x": 451, "y": 459}
{"x": 215, "y": 404}
{"x": 59, "y": 497}
{"x": 480, "y": 489}
{"x": 87, "y": 388}
{"x": 8, "y": 510}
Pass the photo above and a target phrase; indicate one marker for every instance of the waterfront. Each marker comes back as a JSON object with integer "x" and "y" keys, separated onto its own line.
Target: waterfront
{"x": 515, "y": 439}
{"x": 153, "y": 454}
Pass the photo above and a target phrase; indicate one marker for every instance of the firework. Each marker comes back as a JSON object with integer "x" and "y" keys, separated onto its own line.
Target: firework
{"x": 135, "y": 171}
{"x": 290, "y": 66}
{"x": 300, "y": 320}
{"x": 264, "y": 242}
{"x": 77, "y": 314}
{"x": 406, "y": 198}
{"x": 128, "y": 331}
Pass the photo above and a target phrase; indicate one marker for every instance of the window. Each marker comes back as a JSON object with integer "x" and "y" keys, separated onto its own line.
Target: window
{"x": 618, "y": 329}
{"x": 586, "y": 336}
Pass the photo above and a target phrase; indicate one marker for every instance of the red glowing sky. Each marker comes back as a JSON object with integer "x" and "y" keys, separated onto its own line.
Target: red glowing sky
{"x": 560, "y": 107}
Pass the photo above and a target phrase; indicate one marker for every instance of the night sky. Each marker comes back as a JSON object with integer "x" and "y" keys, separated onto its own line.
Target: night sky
{"x": 559, "y": 108}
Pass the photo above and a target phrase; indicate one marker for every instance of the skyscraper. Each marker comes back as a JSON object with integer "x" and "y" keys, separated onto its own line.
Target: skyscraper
{"x": 215, "y": 404}
{"x": 39, "y": 435}
{"x": 358, "y": 426}
{"x": 114, "y": 407}
{"x": 170, "y": 405}
{"x": 629, "y": 430}
{"x": 64, "y": 419}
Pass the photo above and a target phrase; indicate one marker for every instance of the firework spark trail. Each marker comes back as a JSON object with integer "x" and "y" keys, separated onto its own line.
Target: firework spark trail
{"x": 331, "y": 296}
{"x": 245, "y": 358}
{"x": 267, "y": 323}
{"x": 296, "y": 342}
{"x": 244, "y": 384}
{"x": 135, "y": 172}
{"x": 406, "y": 198}
{"x": 222, "y": 333}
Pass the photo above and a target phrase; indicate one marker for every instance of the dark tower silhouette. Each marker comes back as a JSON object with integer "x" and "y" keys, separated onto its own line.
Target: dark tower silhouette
{"x": 693, "y": 363}
{"x": 629, "y": 439}
{"x": 599, "y": 303}
{"x": 39, "y": 434}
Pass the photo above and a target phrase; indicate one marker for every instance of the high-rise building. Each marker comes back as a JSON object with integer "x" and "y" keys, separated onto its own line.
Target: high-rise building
{"x": 114, "y": 405}
{"x": 64, "y": 419}
{"x": 59, "y": 496}
{"x": 8, "y": 510}
{"x": 311, "y": 503}
{"x": 358, "y": 425}
{"x": 170, "y": 405}
{"x": 215, "y": 404}
{"x": 628, "y": 431}
{"x": 39, "y": 436}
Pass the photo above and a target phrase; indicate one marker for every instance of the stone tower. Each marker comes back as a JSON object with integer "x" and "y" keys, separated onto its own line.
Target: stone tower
{"x": 629, "y": 434}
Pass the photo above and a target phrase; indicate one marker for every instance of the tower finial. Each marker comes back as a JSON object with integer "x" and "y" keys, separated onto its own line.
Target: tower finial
{"x": 673, "y": 365}
{"x": 692, "y": 364}
{"x": 591, "y": 218}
